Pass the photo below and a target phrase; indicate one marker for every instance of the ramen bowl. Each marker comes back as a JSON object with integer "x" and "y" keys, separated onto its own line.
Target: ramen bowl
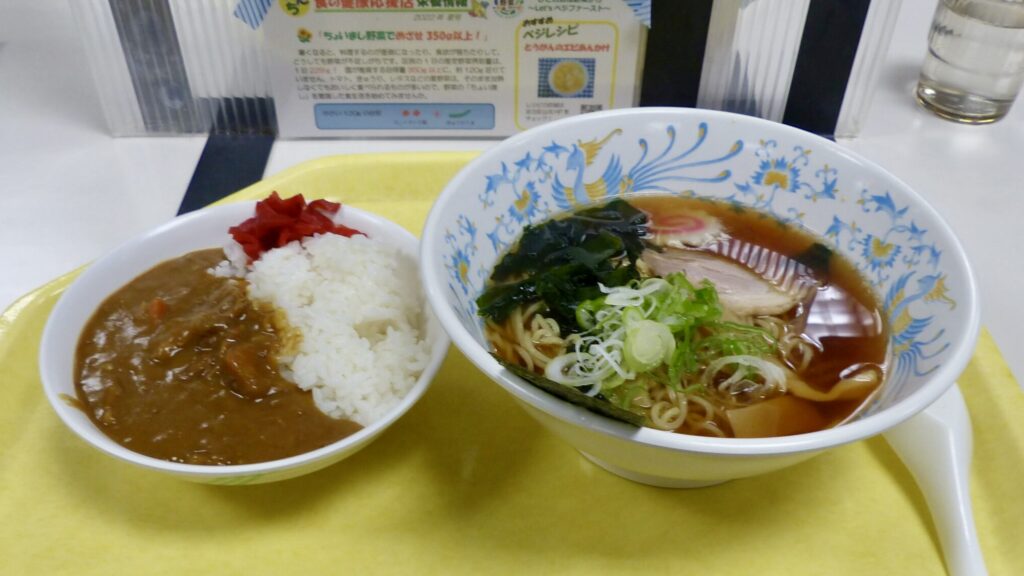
{"x": 901, "y": 246}
{"x": 206, "y": 228}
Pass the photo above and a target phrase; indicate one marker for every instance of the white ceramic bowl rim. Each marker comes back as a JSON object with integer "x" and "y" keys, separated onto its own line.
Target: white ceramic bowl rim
{"x": 89, "y": 432}
{"x": 957, "y": 357}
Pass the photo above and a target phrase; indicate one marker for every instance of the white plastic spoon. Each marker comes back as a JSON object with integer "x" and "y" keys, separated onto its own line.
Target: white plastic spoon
{"x": 936, "y": 446}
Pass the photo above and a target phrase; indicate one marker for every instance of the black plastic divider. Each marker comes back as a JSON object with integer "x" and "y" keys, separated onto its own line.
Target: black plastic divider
{"x": 827, "y": 49}
{"x": 231, "y": 160}
{"x": 675, "y": 52}
{"x": 229, "y": 163}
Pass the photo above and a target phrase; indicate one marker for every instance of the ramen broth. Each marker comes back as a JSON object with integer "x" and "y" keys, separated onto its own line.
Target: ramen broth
{"x": 840, "y": 320}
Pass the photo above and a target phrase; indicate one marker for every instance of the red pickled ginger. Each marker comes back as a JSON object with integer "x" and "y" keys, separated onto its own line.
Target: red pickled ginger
{"x": 279, "y": 221}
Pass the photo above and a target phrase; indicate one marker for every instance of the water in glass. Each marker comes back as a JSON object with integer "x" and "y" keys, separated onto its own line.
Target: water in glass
{"x": 975, "y": 62}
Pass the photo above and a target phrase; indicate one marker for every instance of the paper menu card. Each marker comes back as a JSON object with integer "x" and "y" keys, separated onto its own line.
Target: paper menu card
{"x": 447, "y": 68}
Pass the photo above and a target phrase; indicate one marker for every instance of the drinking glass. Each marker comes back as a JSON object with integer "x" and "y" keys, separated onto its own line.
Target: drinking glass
{"x": 975, "y": 62}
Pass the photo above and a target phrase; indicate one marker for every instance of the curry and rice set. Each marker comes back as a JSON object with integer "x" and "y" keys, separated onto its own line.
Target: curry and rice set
{"x": 677, "y": 314}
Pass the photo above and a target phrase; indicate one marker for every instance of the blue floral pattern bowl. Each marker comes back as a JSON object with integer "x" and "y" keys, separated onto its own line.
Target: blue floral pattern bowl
{"x": 901, "y": 246}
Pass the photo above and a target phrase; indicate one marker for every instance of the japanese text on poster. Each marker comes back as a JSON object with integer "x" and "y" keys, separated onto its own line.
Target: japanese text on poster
{"x": 447, "y": 67}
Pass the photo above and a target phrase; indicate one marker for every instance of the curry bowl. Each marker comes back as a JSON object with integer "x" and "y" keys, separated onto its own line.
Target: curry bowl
{"x": 204, "y": 229}
{"x": 907, "y": 257}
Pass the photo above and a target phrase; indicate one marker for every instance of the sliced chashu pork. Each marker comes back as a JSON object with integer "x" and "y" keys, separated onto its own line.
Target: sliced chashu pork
{"x": 776, "y": 288}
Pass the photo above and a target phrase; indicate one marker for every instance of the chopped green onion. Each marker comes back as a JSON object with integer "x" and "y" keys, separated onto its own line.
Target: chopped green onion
{"x": 648, "y": 345}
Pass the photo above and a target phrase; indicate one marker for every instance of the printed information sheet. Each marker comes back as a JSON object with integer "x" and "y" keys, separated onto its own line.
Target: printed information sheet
{"x": 447, "y": 67}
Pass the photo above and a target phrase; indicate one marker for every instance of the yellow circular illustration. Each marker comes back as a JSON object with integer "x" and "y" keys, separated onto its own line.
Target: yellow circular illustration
{"x": 295, "y": 7}
{"x": 568, "y": 78}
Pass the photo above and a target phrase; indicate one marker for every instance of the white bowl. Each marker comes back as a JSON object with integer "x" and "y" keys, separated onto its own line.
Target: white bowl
{"x": 206, "y": 228}
{"x": 903, "y": 248}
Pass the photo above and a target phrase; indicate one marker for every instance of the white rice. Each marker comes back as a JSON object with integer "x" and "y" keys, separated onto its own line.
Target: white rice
{"x": 235, "y": 265}
{"x": 357, "y": 304}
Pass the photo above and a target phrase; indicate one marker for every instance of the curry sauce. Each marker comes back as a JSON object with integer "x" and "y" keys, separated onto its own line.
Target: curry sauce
{"x": 180, "y": 365}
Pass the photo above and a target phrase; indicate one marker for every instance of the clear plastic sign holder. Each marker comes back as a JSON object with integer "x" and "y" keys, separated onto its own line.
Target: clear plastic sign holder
{"x": 165, "y": 67}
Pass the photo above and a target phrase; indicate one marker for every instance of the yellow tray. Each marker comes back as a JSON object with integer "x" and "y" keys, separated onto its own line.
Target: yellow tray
{"x": 467, "y": 483}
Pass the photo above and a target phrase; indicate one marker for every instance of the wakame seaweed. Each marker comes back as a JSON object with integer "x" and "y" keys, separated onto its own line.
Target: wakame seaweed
{"x": 569, "y": 394}
{"x": 562, "y": 261}
{"x": 817, "y": 257}
{"x": 558, "y": 241}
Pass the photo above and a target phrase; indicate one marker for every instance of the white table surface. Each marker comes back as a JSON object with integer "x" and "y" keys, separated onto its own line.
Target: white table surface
{"x": 71, "y": 192}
